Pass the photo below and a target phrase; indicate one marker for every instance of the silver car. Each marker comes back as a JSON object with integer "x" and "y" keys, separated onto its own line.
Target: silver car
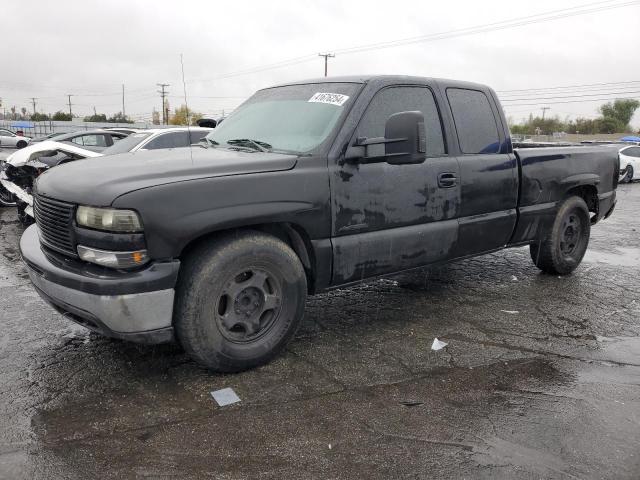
{"x": 10, "y": 139}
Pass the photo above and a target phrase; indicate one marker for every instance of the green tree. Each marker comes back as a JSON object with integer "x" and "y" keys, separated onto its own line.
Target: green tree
{"x": 119, "y": 118}
{"x": 39, "y": 117}
{"x": 96, "y": 117}
{"x": 182, "y": 115}
{"x": 62, "y": 117}
{"x": 619, "y": 113}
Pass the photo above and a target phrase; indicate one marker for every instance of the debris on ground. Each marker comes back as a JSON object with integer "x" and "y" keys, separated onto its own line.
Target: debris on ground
{"x": 514, "y": 278}
{"x": 511, "y": 312}
{"x": 226, "y": 396}
{"x": 438, "y": 345}
{"x": 411, "y": 403}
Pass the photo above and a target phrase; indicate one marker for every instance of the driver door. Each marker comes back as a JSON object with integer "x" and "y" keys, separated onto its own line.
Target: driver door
{"x": 386, "y": 217}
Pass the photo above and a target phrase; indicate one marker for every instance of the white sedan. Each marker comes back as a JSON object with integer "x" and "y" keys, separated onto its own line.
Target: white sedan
{"x": 10, "y": 139}
{"x": 629, "y": 163}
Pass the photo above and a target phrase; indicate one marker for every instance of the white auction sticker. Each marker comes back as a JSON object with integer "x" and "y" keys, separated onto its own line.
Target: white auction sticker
{"x": 330, "y": 98}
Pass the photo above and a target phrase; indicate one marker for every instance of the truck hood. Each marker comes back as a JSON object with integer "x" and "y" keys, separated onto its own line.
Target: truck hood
{"x": 99, "y": 181}
{"x": 48, "y": 148}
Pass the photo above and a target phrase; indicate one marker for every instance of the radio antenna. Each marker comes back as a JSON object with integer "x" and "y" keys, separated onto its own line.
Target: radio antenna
{"x": 186, "y": 105}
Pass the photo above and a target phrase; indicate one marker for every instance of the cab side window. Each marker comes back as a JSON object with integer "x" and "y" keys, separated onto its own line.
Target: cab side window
{"x": 475, "y": 123}
{"x": 402, "y": 99}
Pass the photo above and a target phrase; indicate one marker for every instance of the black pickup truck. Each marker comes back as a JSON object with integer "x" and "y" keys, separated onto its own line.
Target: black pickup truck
{"x": 305, "y": 187}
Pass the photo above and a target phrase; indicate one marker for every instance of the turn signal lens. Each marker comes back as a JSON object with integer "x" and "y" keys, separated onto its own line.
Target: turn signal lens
{"x": 113, "y": 259}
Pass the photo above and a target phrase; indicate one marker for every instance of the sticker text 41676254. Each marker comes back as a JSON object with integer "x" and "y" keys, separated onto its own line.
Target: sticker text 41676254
{"x": 331, "y": 98}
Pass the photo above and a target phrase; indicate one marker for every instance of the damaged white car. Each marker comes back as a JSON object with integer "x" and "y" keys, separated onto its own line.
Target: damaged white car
{"x": 23, "y": 167}
{"x": 19, "y": 172}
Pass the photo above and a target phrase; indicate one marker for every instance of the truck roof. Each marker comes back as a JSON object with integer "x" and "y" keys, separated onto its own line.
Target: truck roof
{"x": 385, "y": 79}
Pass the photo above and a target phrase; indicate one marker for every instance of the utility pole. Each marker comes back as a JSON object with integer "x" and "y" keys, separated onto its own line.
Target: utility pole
{"x": 163, "y": 93}
{"x": 70, "y": 112}
{"x": 544, "y": 110}
{"x": 326, "y": 56}
{"x": 33, "y": 102}
{"x": 123, "y": 112}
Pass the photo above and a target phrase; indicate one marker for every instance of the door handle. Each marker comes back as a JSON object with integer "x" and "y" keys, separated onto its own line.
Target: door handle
{"x": 447, "y": 180}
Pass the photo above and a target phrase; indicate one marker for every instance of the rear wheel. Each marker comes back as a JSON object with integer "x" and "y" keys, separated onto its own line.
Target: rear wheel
{"x": 239, "y": 301}
{"x": 628, "y": 178}
{"x": 562, "y": 249}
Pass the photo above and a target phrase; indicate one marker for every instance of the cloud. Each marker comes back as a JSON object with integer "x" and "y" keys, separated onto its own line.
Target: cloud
{"x": 86, "y": 47}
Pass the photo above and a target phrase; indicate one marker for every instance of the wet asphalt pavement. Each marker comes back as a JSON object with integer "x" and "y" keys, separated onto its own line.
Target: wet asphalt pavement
{"x": 541, "y": 379}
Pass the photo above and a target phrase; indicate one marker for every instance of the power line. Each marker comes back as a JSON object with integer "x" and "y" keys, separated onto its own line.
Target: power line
{"x": 572, "y": 101}
{"x": 567, "y": 96}
{"x": 584, "y": 9}
{"x": 569, "y": 86}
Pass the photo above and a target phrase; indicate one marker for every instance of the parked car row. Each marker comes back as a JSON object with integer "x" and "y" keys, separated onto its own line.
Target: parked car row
{"x": 19, "y": 172}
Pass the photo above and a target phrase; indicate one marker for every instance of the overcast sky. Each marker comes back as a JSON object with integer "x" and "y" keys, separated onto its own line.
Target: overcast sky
{"x": 89, "y": 49}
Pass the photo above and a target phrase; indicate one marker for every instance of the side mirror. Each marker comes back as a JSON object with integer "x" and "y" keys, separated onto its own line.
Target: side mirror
{"x": 405, "y": 138}
{"x": 207, "y": 122}
{"x": 404, "y": 142}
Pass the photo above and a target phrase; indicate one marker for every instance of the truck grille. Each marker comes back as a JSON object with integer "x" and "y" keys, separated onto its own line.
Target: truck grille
{"x": 54, "y": 219}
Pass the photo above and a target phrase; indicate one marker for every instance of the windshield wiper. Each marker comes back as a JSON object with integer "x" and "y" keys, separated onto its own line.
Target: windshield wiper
{"x": 256, "y": 144}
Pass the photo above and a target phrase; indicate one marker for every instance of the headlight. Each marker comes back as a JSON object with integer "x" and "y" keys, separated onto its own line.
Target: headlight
{"x": 109, "y": 219}
{"x": 113, "y": 259}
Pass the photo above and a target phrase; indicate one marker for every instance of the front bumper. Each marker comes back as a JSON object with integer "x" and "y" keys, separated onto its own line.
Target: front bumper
{"x": 136, "y": 306}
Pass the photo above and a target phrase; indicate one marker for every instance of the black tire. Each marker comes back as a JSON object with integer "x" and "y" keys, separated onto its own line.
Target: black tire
{"x": 21, "y": 144}
{"x": 628, "y": 178}
{"x": 562, "y": 249}
{"x": 239, "y": 301}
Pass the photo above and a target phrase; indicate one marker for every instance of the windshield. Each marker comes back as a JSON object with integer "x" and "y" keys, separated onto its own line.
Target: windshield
{"x": 295, "y": 118}
{"x": 126, "y": 144}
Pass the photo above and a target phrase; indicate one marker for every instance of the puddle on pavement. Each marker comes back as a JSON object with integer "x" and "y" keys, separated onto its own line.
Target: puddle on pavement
{"x": 624, "y": 350}
{"x": 619, "y": 257}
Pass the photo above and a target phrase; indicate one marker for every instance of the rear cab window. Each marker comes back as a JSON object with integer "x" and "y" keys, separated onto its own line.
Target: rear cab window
{"x": 474, "y": 121}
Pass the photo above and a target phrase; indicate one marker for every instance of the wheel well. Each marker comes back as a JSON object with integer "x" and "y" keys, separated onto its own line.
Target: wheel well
{"x": 293, "y": 235}
{"x": 589, "y": 194}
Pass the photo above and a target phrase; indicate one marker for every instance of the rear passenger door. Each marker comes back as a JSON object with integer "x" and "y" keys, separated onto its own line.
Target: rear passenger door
{"x": 393, "y": 217}
{"x": 488, "y": 173}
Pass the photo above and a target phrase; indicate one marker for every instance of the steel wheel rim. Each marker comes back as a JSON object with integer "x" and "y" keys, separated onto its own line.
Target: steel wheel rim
{"x": 571, "y": 235}
{"x": 249, "y": 305}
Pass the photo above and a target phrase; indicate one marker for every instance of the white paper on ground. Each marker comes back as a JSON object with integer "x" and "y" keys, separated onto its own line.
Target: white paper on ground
{"x": 438, "y": 345}
{"x": 512, "y": 312}
{"x": 226, "y": 396}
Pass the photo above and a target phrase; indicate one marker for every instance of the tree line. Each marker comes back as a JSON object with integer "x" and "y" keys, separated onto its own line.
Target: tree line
{"x": 614, "y": 118}
{"x": 180, "y": 116}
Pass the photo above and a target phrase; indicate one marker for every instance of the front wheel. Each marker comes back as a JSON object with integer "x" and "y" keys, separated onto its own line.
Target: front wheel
{"x": 21, "y": 144}
{"x": 239, "y": 301}
{"x": 561, "y": 250}
{"x": 628, "y": 178}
